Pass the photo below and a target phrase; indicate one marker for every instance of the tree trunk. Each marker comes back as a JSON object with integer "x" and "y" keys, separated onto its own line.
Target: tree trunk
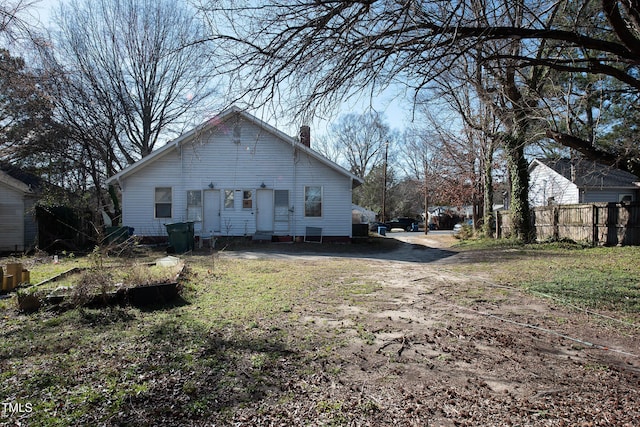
{"x": 488, "y": 220}
{"x": 519, "y": 200}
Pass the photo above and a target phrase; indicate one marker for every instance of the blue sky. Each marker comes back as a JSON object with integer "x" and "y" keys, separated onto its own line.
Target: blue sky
{"x": 391, "y": 103}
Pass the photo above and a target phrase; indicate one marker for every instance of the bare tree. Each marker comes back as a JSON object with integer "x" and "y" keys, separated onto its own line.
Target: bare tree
{"x": 123, "y": 76}
{"x": 444, "y": 161}
{"x": 423, "y": 168}
{"x": 327, "y": 50}
{"x": 137, "y": 62}
{"x": 324, "y": 52}
{"x": 14, "y": 21}
{"x": 362, "y": 139}
{"x": 359, "y": 142}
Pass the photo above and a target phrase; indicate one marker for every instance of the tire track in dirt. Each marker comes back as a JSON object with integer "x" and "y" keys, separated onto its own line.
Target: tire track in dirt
{"x": 466, "y": 340}
{"x": 433, "y": 347}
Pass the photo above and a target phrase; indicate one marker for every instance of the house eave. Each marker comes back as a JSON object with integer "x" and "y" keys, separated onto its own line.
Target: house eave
{"x": 216, "y": 121}
{"x": 15, "y": 184}
{"x": 611, "y": 187}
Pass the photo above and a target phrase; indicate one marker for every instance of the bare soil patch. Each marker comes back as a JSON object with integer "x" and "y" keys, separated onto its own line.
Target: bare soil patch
{"x": 383, "y": 336}
{"x": 433, "y": 347}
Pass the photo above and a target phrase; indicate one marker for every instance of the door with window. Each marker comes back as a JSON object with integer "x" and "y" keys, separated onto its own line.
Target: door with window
{"x": 264, "y": 210}
{"x": 211, "y": 223}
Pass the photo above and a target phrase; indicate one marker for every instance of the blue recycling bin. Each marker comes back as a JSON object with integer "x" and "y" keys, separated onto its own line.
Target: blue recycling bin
{"x": 382, "y": 230}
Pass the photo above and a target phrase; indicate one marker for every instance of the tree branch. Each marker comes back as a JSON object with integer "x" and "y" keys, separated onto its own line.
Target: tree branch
{"x": 591, "y": 152}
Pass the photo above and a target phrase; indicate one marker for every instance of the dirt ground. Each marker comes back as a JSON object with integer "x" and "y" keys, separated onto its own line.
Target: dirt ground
{"x": 424, "y": 344}
{"x": 434, "y": 347}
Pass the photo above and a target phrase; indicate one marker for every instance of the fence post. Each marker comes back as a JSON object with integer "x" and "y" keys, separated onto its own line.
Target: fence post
{"x": 594, "y": 224}
{"x": 556, "y": 221}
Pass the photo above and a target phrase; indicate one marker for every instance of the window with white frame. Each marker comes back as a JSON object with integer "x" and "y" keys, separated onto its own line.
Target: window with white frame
{"x": 163, "y": 202}
{"x": 194, "y": 205}
{"x": 313, "y": 201}
{"x": 229, "y": 199}
{"x": 247, "y": 199}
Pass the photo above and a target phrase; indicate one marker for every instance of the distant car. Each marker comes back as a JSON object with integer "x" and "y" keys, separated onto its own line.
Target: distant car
{"x": 407, "y": 224}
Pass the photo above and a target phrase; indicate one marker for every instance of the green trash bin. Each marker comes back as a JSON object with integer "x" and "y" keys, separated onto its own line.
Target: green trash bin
{"x": 181, "y": 237}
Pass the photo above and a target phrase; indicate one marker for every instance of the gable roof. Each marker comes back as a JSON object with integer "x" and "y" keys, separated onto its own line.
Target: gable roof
{"x": 589, "y": 174}
{"x": 18, "y": 179}
{"x": 217, "y": 121}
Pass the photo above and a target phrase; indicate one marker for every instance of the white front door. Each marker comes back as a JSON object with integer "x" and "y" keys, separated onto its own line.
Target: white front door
{"x": 211, "y": 223}
{"x": 264, "y": 210}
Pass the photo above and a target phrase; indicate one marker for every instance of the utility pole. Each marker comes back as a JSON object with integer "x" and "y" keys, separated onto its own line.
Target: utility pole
{"x": 426, "y": 198}
{"x": 384, "y": 184}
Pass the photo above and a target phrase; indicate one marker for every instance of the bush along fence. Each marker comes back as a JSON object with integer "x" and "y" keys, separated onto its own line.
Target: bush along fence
{"x": 603, "y": 224}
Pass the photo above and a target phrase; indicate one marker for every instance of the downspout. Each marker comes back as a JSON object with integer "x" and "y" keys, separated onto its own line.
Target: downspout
{"x": 351, "y": 204}
{"x": 293, "y": 196}
{"x": 304, "y": 138}
{"x": 180, "y": 153}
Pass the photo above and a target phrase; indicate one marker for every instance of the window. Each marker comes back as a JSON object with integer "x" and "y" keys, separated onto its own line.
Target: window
{"x": 281, "y": 201}
{"x": 313, "y": 201}
{"x": 229, "y": 199}
{"x": 163, "y": 202}
{"x": 247, "y": 201}
{"x": 194, "y": 205}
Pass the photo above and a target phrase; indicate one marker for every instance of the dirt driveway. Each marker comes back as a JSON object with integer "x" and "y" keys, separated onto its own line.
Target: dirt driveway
{"x": 433, "y": 347}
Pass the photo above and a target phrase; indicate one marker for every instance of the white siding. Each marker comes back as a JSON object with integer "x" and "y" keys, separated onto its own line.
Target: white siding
{"x": 30, "y": 223}
{"x": 336, "y": 198}
{"x": 545, "y": 183}
{"x": 11, "y": 219}
{"x": 259, "y": 157}
{"x": 138, "y": 196}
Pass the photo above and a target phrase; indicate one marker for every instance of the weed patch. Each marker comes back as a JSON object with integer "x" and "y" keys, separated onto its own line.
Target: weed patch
{"x": 284, "y": 341}
{"x": 602, "y": 277}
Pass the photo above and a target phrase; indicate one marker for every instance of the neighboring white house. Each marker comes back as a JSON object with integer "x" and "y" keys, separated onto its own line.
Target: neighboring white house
{"x": 18, "y": 230}
{"x": 236, "y": 175}
{"x": 565, "y": 181}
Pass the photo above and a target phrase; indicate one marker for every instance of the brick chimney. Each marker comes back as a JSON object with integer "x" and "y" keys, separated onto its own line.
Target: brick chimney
{"x": 305, "y": 136}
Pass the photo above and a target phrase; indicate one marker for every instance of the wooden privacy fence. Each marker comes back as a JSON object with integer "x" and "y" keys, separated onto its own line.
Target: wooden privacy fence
{"x": 606, "y": 224}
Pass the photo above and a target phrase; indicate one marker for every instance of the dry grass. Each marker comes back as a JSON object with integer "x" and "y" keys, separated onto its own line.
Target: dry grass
{"x": 264, "y": 341}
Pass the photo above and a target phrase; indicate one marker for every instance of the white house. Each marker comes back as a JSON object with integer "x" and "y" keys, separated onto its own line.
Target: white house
{"x": 565, "y": 181}
{"x": 236, "y": 175}
{"x": 18, "y": 229}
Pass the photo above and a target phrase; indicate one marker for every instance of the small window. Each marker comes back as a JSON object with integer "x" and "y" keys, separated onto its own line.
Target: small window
{"x": 625, "y": 198}
{"x": 247, "y": 199}
{"x": 281, "y": 202}
{"x": 229, "y": 199}
{"x": 194, "y": 205}
{"x": 163, "y": 202}
{"x": 313, "y": 201}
